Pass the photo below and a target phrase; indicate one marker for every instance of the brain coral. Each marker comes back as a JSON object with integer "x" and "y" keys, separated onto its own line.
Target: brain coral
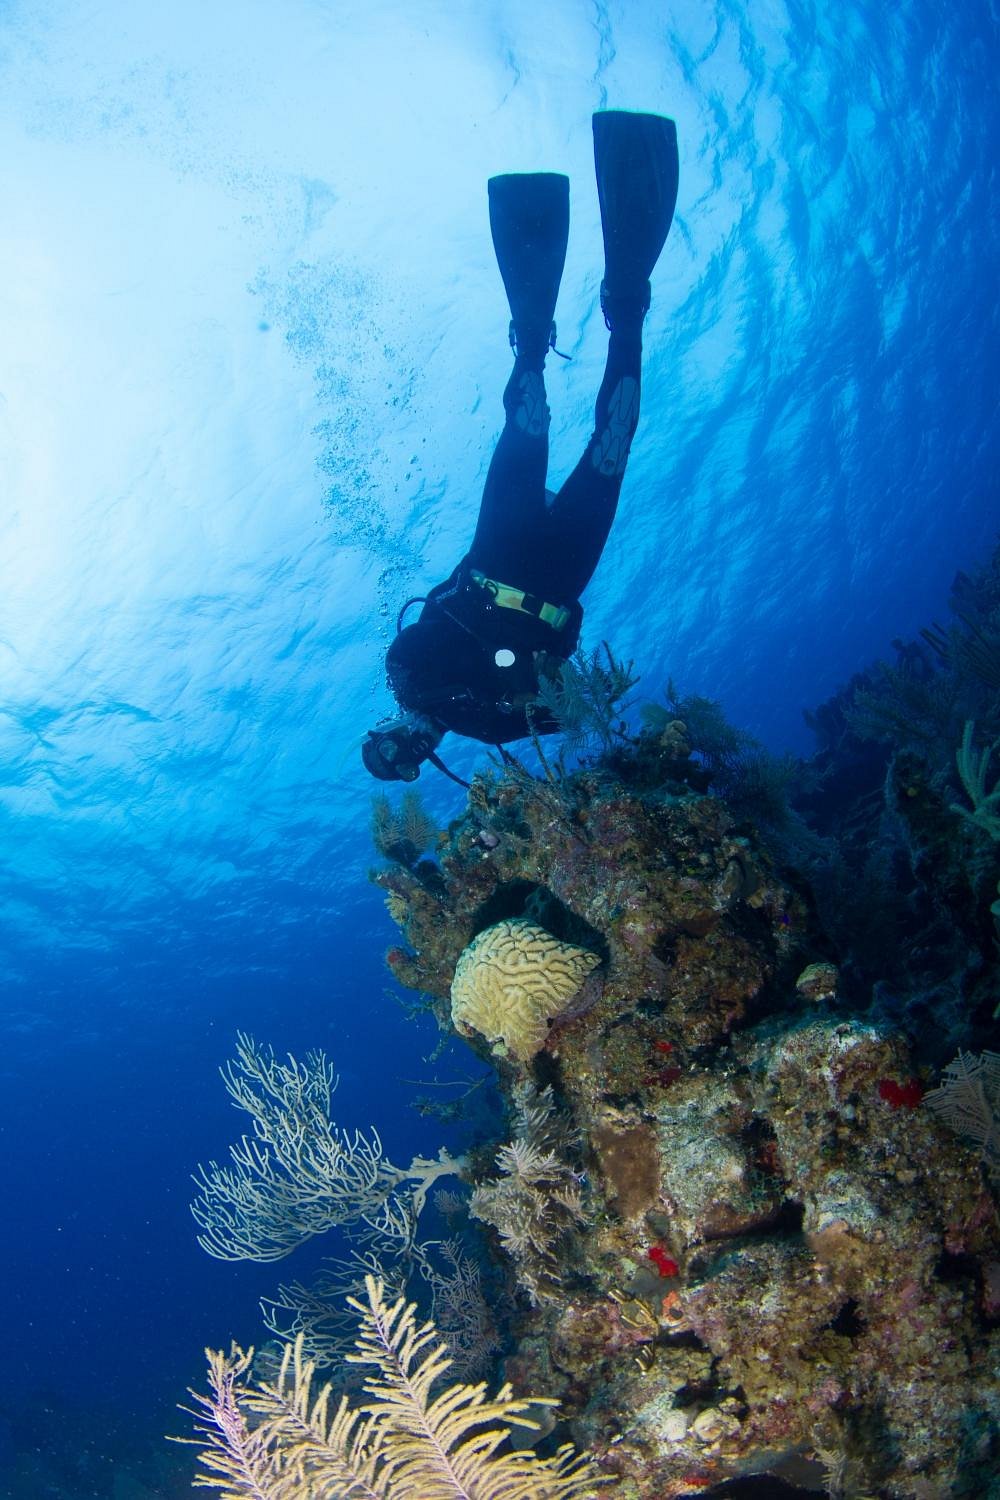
{"x": 512, "y": 980}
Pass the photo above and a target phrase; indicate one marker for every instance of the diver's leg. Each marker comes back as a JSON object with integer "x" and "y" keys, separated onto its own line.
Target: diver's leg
{"x": 513, "y": 503}
{"x": 582, "y": 513}
{"x": 635, "y": 159}
{"x": 529, "y": 222}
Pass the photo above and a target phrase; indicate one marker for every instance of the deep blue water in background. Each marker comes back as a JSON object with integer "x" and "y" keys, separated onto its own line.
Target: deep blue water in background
{"x": 254, "y": 343}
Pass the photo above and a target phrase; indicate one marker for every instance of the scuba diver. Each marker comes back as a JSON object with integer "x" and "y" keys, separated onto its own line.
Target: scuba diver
{"x": 510, "y": 611}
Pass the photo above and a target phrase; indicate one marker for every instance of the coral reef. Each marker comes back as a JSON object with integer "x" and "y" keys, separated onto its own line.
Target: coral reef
{"x": 690, "y": 919}
{"x": 726, "y": 1226}
{"x": 905, "y": 861}
{"x": 512, "y": 981}
{"x": 774, "y": 1260}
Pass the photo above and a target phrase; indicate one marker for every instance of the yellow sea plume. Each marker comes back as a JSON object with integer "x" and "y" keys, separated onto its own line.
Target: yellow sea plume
{"x": 410, "y": 1437}
{"x": 512, "y": 980}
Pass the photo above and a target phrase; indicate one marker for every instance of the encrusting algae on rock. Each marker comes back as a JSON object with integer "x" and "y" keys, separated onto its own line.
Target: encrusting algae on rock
{"x": 779, "y": 1262}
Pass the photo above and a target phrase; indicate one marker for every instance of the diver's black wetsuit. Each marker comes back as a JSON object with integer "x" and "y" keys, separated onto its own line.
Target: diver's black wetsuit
{"x": 450, "y": 664}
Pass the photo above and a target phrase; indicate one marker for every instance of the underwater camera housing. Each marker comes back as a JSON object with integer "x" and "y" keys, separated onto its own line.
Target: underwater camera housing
{"x": 394, "y": 751}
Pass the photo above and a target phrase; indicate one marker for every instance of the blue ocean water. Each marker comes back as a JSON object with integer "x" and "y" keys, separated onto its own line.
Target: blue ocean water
{"x": 253, "y": 347}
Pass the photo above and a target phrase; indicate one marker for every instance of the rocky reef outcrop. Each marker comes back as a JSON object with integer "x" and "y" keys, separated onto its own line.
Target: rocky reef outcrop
{"x": 779, "y": 1261}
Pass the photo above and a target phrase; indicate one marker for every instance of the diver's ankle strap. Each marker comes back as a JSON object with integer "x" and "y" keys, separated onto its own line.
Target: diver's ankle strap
{"x": 529, "y": 346}
{"x": 624, "y": 311}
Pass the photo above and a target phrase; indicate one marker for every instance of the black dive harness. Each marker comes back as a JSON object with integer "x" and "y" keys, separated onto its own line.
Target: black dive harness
{"x": 506, "y": 596}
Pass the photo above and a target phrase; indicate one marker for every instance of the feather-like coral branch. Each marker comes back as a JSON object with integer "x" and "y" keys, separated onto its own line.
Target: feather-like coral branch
{"x": 279, "y": 1442}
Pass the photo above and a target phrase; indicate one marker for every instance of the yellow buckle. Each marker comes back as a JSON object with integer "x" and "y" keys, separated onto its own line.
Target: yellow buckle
{"x": 556, "y": 615}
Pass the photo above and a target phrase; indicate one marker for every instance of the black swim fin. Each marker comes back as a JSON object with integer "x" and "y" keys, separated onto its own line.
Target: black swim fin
{"x": 529, "y": 220}
{"x": 635, "y": 157}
